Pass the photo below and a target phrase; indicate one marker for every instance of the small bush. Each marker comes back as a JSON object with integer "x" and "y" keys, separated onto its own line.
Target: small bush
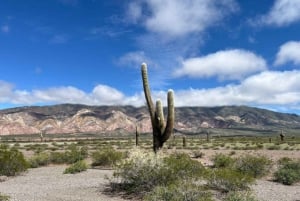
{"x": 226, "y": 180}
{"x": 141, "y": 172}
{"x": 39, "y": 159}
{"x": 58, "y": 158}
{"x": 107, "y": 157}
{"x": 222, "y": 161}
{"x": 76, "y": 167}
{"x": 12, "y": 161}
{"x": 183, "y": 192}
{"x": 284, "y": 160}
{"x": 4, "y": 197}
{"x": 288, "y": 173}
{"x": 255, "y": 166}
{"x": 240, "y": 196}
{"x": 75, "y": 153}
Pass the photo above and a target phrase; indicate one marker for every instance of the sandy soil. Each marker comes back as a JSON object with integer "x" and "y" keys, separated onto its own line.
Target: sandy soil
{"x": 49, "y": 183}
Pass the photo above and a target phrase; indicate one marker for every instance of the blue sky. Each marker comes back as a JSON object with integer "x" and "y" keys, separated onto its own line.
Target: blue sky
{"x": 210, "y": 52}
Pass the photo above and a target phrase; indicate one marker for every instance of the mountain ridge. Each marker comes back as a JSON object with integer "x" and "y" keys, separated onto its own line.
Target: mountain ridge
{"x": 77, "y": 118}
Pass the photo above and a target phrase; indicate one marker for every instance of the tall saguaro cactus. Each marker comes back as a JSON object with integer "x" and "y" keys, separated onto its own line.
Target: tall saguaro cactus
{"x": 161, "y": 130}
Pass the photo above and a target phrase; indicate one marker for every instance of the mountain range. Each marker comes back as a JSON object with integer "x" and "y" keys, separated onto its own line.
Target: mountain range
{"x": 75, "y": 118}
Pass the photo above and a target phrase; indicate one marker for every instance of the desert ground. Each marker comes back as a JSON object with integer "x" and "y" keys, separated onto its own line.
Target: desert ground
{"x": 49, "y": 183}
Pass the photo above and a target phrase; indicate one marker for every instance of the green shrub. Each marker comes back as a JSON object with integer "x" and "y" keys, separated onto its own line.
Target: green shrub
{"x": 141, "y": 171}
{"x": 222, "y": 161}
{"x": 255, "y": 166}
{"x": 284, "y": 160}
{"x": 39, "y": 159}
{"x": 226, "y": 180}
{"x": 4, "y": 197}
{"x": 58, "y": 157}
{"x": 75, "y": 153}
{"x": 240, "y": 196}
{"x": 288, "y": 173}
{"x": 76, "y": 167}
{"x": 12, "y": 161}
{"x": 106, "y": 157}
{"x": 183, "y": 192}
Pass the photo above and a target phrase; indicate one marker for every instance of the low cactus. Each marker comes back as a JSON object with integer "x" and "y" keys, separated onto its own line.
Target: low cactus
{"x": 161, "y": 131}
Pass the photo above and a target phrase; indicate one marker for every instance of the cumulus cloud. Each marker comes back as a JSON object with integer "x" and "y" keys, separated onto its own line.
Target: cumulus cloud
{"x": 288, "y": 52}
{"x": 227, "y": 64}
{"x": 282, "y": 13}
{"x": 179, "y": 17}
{"x": 255, "y": 90}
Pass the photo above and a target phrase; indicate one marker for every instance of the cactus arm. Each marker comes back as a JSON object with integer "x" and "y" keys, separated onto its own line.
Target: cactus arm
{"x": 147, "y": 92}
{"x": 171, "y": 116}
{"x": 160, "y": 116}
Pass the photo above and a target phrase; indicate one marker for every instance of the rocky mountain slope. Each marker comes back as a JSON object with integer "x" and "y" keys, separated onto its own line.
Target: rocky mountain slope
{"x": 69, "y": 118}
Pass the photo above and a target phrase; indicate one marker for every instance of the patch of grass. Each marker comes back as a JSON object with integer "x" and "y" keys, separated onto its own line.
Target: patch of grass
{"x": 76, "y": 167}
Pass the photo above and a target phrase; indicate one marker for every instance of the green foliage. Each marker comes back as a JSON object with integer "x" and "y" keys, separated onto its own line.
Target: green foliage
{"x": 76, "y": 167}
{"x": 4, "y": 197}
{"x": 72, "y": 155}
{"x": 106, "y": 157}
{"x": 179, "y": 192}
{"x": 12, "y": 161}
{"x": 141, "y": 172}
{"x": 255, "y": 166}
{"x": 226, "y": 180}
{"x": 222, "y": 161}
{"x": 288, "y": 173}
{"x": 58, "y": 158}
{"x": 75, "y": 153}
{"x": 39, "y": 159}
{"x": 284, "y": 160}
{"x": 240, "y": 196}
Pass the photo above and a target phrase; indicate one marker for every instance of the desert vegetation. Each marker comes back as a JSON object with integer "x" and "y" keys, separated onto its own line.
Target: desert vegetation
{"x": 201, "y": 170}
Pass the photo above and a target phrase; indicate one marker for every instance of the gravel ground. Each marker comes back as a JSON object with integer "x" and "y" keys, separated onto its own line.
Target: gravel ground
{"x": 272, "y": 191}
{"x": 49, "y": 183}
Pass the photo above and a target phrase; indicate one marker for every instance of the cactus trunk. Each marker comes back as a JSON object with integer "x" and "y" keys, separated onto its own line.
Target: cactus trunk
{"x": 161, "y": 131}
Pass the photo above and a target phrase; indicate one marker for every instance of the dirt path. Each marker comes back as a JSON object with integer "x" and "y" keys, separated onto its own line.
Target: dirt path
{"x": 49, "y": 183}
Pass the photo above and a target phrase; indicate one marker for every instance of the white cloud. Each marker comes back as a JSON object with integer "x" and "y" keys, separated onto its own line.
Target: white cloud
{"x": 289, "y": 52}
{"x": 228, "y": 64}
{"x": 256, "y": 90}
{"x": 283, "y": 12}
{"x": 107, "y": 95}
{"x": 270, "y": 88}
{"x": 179, "y": 17}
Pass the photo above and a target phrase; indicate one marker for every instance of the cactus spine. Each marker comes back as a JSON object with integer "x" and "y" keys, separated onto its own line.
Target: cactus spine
{"x": 161, "y": 131}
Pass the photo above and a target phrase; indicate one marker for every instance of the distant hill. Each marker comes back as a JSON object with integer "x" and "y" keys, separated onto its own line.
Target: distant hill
{"x": 74, "y": 118}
